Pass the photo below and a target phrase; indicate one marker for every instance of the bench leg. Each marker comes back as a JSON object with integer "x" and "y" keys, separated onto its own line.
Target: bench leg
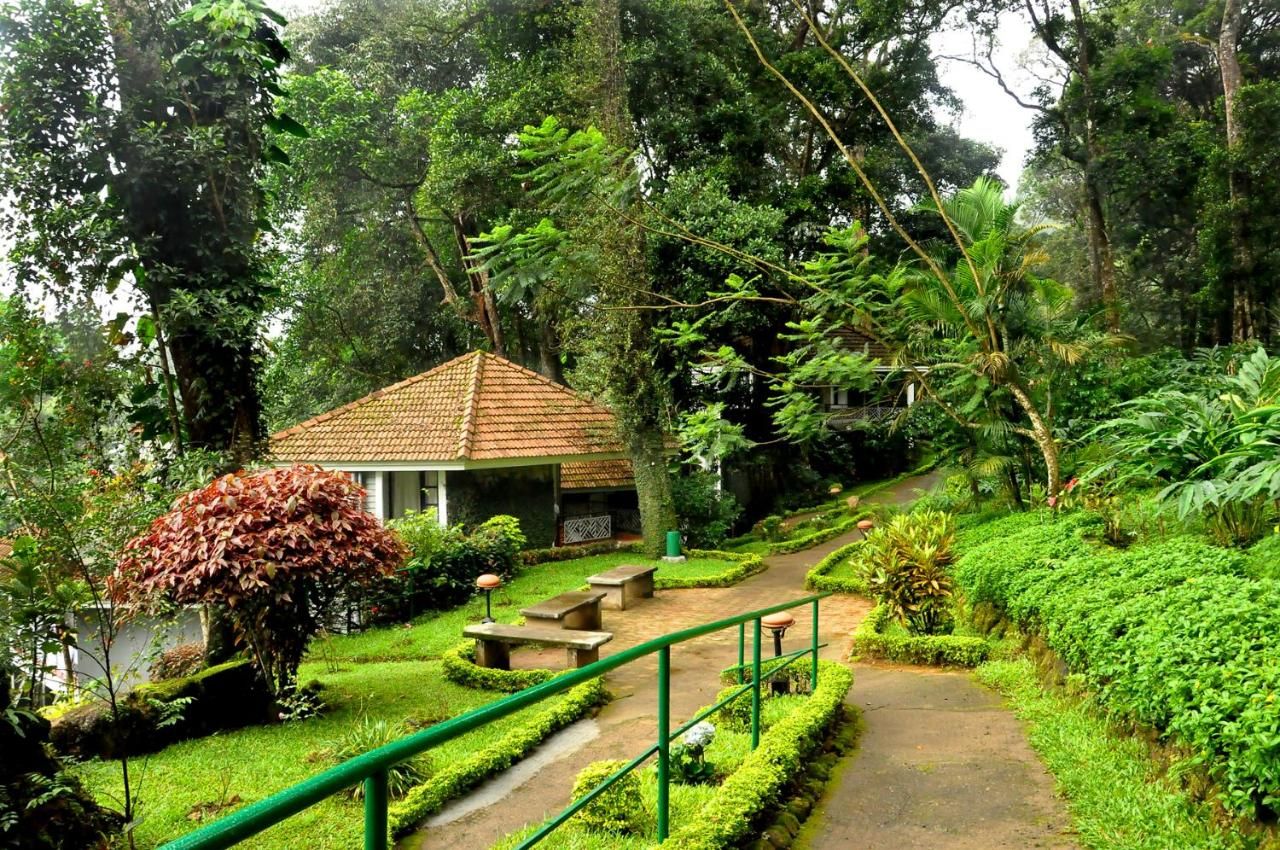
{"x": 586, "y": 619}
{"x": 582, "y": 657}
{"x": 492, "y": 653}
{"x": 637, "y": 589}
{"x": 615, "y": 598}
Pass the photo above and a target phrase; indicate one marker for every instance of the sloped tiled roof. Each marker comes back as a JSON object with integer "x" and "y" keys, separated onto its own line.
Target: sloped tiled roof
{"x": 596, "y": 475}
{"x": 477, "y": 407}
{"x": 6, "y": 548}
{"x": 855, "y": 340}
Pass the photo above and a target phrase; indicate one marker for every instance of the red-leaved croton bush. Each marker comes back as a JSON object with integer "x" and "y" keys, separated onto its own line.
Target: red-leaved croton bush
{"x": 273, "y": 547}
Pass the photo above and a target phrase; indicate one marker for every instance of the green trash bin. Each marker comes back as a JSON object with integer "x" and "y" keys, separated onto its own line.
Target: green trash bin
{"x": 673, "y": 544}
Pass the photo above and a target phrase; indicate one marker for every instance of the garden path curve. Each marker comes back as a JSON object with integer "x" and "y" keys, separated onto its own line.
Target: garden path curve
{"x": 940, "y": 764}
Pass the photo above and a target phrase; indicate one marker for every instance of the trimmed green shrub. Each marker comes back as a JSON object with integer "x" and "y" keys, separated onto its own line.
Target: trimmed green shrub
{"x": 459, "y": 664}
{"x": 1264, "y": 558}
{"x": 619, "y": 810}
{"x": 756, "y": 787}
{"x": 442, "y": 569}
{"x": 813, "y": 538}
{"x": 818, "y": 578}
{"x": 455, "y": 779}
{"x": 870, "y": 640}
{"x": 529, "y": 557}
{"x": 1172, "y": 636}
{"x": 705, "y": 510}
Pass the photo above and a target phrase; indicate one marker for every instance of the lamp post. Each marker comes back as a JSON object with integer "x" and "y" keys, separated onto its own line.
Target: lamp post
{"x": 778, "y": 624}
{"x": 488, "y": 582}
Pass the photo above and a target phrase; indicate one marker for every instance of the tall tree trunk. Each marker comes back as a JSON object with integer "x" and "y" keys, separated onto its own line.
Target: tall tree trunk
{"x": 1240, "y": 282}
{"x": 635, "y": 390}
{"x": 1099, "y": 242}
{"x": 1046, "y": 441}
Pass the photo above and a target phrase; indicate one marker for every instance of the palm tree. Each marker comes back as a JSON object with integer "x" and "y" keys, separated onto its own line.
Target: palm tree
{"x": 990, "y": 321}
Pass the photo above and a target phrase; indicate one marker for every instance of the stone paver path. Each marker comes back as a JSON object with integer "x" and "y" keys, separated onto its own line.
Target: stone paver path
{"x": 968, "y": 757}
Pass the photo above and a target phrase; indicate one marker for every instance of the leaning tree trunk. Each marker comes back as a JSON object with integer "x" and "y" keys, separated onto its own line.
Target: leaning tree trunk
{"x": 1042, "y": 434}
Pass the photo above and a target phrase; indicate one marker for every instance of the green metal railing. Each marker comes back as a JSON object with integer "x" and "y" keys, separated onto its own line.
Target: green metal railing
{"x": 371, "y": 767}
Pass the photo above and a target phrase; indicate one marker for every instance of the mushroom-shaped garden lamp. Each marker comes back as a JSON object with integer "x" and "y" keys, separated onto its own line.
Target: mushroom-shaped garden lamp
{"x": 488, "y": 582}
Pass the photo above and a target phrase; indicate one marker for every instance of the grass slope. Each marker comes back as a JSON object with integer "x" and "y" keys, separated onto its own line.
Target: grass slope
{"x": 252, "y": 763}
{"x": 1117, "y": 800}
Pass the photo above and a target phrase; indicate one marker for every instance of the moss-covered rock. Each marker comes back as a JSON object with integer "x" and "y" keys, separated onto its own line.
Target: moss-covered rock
{"x": 152, "y": 716}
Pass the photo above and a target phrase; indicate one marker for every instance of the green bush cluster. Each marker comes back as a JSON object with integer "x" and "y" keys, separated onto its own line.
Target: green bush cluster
{"x": 906, "y": 569}
{"x": 459, "y": 777}
{"x": 818, "y": 578}
{"x": 706, "y": 511}
{"x": 743, "y": 566}
{"x": 459, "y": 665}
{"x": 1264, "y": 558}
{"x": 871, "y": 640}
{"x": 444, "y": 563}
{"x": 757, "y": 786}
{"x": 619, "y": 810}
{"x": 1172, "y": 635}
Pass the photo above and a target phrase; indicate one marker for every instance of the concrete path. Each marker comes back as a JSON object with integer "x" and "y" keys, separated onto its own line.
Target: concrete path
{"x": 936, "y": 747}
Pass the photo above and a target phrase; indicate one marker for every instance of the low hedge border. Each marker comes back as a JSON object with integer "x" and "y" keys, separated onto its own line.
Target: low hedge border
{"x": 870, "y": 641}
{"x": 460, "y": 667}
{"x": 817, "y": 578}
{"x": 822, "y": 535}
{"x": 532, "y": 557}
{"x": 744, "y": 566}
{"x": 755, "y": 789}
{"x": 459, "y": 777}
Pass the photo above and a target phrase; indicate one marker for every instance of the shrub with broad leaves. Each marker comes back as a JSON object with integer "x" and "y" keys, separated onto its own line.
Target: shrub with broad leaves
{"x": 274, "y": 547}
{"x": 906, "y": 562}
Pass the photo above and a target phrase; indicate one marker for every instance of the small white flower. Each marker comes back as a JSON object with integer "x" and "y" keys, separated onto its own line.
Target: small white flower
{"x": 700, "y": 734}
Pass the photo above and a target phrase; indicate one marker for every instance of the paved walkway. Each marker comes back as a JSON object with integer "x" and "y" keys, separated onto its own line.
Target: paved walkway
{"x": 956, "y": 741}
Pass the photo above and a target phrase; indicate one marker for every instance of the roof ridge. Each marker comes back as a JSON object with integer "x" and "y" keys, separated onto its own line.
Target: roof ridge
{"x": 467, "y": 438}
{"x": 351, "y": 405}
{"x": 544, "y": 379}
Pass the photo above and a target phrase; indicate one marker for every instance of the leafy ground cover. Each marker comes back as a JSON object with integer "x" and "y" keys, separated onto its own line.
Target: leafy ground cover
{"x": 1117, "y": 797}
{"x": 1172, "y": 635}
{"x": 195, "y": 781}
{"x": 431, "y": 634}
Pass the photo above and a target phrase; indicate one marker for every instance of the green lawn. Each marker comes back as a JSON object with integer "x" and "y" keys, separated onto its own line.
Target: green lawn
{"x": 251, "y": 763}
{"x": 431, "y": 634}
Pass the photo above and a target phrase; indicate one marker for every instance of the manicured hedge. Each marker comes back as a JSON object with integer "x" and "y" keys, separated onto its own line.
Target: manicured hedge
{"x": 756, "y": 787}
{"x": 460, "y": 667}
{"x": 871, "y": 641}
{"x": 529, "y": 557}
{"x": 808, "y": 541}
{"x": 742, "y": 566}
{"x": 1172, "y": 635}
{"x": 457, "y": 778}
{"x": 817, "y": 578}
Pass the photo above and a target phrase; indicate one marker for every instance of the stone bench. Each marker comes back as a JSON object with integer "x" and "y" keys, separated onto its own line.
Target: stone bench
{"x": 623, "y": 585}
{"x": 493, "y": 642}
{"x": 578, "y": 609}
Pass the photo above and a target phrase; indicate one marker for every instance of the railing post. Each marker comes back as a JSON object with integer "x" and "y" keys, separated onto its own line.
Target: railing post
{"x": 664, "y": 741}
{"x": 813, "y": 676}
{"x": 375, "y": 811}
{"x": 742, "y": 650}
{"x": 755, "y": 689}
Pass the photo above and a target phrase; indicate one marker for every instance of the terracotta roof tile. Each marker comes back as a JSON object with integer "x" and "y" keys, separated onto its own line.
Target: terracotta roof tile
{"x": 596, "y": 475}
{"x": 6, "y": 548}
{"x": 855, "y": 340}
{"x": 475, "y": 407}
